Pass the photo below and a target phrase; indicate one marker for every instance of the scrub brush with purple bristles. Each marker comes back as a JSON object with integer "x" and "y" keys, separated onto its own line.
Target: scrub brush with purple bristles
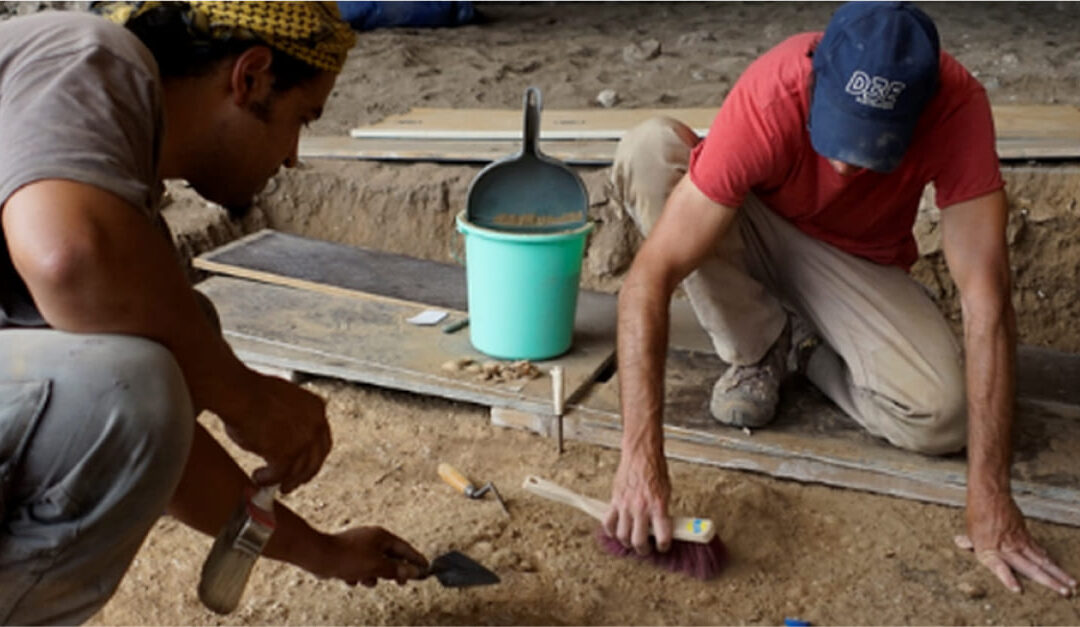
{"x": 696, "y": 550}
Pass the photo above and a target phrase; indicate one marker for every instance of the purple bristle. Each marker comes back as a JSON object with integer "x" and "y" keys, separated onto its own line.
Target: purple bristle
{"x": 701, "y": 561}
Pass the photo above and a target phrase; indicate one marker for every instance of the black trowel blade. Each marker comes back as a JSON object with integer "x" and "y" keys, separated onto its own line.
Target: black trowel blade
{"x": 456, "y": 570}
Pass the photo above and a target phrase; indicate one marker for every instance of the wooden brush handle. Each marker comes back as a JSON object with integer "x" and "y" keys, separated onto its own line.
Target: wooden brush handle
{"x": 456, "y": 480}
{"x": 700, "y": 530}
{"x": 555, "y": 492}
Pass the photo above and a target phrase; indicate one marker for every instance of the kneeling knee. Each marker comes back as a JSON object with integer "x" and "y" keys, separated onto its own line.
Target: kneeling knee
{"x": 660, "y": 130}
{"x": 151, "y": 390}
{"x": 941, "y": 426}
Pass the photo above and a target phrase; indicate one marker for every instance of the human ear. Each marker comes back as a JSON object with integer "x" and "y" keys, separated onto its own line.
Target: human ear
{"x": 251, "y": 79}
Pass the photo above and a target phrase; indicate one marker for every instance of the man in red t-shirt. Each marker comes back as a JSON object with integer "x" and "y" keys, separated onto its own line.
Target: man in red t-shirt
{"x": 789, "y": 228}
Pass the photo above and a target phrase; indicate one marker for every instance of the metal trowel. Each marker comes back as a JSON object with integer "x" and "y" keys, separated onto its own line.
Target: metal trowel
{"x": 457, "y": 570}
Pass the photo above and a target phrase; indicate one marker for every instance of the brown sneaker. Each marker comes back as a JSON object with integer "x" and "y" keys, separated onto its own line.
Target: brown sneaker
{"x": 746, "y": 396}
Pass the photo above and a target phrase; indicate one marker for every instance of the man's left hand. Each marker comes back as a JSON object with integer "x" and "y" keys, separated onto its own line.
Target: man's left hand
{"x": 1001, "y": 542}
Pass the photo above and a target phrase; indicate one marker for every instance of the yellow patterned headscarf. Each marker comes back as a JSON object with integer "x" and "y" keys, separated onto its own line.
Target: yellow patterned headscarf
{"x": 312, "y": 32}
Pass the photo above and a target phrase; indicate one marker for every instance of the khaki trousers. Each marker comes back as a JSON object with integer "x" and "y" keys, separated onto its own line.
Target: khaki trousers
{"x": 888, "y": 357}
{"x": 94, "y": 436}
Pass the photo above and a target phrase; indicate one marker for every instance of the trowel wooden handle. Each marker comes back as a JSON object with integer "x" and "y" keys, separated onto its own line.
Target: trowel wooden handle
{"x": 456, "y": 480}
{"x": 700, "y": 530}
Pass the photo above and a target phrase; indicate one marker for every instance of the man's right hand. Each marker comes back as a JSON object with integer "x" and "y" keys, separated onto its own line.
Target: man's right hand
{"x": 285, "y": 425}
{"x": 639, "y": 500}
{"x": 363, "y": 555}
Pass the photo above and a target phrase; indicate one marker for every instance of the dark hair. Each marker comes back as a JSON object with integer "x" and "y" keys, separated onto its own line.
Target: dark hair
{"x": 180, "y": 52}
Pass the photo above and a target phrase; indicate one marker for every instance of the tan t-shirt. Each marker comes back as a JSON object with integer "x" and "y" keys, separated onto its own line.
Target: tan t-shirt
{"x": 80, "y": 99}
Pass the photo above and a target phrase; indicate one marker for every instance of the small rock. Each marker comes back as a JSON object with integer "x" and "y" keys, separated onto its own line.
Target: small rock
{"x": 971, "y": 590}
{"x": 608, "y": 98}
{"x": 1010, "y": 59}
{"x": 695, "y": 37}
{"x": 643, "y": 51}
{"x": 526, "y": 68}
{"x": 526, "y": 565}
{"x": 457, "y": 365}
{"x": 482, "y": 550}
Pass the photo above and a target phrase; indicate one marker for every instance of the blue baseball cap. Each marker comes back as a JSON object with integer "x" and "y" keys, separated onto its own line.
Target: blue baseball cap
{"x": 875, "y": 70}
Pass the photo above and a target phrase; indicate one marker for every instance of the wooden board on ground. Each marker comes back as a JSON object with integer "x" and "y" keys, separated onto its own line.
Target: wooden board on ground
{"x": 588, "y": 136}
{"x": 295, "y": 261}
{"x": 333, "y": 327}
{"x": 507, "y": 124}
{"x": 813, "y": 441}
{"x": 582, "y": 152}
{"x": 368, "y": 340}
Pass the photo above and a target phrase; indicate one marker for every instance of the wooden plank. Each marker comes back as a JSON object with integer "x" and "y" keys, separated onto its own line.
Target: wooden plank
{"x": 349, "y": 271}
{"x": 584, "y": 153}
{"x": 291, "y": 260}
{"x": 480, "y": 135}
{"x": 812, "y": 441}
{"x": 369, "y": 341}
{"x": 1037, "y": 121}
{"x": 507, "y": 124}
{"x": 1018, "y": 148}
{"x": 1047, "y": 378}
{"x": 589, "y": 153}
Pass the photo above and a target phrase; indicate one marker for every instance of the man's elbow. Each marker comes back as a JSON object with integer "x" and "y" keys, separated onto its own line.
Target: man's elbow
{"x": 54, "y": 261}
{"x": 988, "y": 309}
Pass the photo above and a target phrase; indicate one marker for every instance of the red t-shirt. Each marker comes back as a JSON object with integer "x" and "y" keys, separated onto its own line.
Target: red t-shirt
{"x": 759, "y": 142}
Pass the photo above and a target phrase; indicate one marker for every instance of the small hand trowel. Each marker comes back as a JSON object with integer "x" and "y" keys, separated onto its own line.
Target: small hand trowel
{"x": 457, "y": 570}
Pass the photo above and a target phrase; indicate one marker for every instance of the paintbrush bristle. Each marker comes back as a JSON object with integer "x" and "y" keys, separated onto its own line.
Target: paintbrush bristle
{"x": 699, "y": 560}
{"x": 224, "y": 576}
{"x": 236, "y": 548}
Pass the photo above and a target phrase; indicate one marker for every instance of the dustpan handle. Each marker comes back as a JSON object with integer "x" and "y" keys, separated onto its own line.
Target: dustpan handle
{"x": 533, "y": 103}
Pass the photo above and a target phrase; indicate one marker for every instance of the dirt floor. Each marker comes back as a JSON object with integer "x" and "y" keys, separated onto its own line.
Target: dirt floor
{"x": 819, "y": 554}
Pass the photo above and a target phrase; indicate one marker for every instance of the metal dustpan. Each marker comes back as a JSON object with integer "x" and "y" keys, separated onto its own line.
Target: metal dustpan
{"x": 457, "y": 570}
{"x": 528, "y": 192}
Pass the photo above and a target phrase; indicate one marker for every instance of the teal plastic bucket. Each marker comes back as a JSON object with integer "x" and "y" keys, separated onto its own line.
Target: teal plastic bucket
{"x": 522, "y": 289}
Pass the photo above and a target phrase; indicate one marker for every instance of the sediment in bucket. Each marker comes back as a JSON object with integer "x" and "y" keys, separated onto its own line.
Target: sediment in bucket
{"x": 522, "y": 289}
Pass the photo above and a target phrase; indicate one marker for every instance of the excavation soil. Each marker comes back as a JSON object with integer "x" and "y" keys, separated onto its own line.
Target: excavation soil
{"x": 820, "y": 554}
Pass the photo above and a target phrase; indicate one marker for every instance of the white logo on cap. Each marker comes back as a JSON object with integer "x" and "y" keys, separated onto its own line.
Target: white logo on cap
{"x": 874, "y": 91}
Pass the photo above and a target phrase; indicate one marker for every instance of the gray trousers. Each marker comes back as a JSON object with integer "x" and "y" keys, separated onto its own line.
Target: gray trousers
{"x": 888, "y": 359}
{"x": 95, "y": 432}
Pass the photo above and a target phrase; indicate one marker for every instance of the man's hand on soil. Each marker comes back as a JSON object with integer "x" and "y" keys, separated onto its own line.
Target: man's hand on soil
{"x": 1001, "y": 542}
{"x": 639, "y": 498}
{"x": 286, "y": 425}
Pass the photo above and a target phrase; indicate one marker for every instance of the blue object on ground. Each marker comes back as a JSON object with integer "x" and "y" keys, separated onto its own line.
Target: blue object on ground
{"x": 794, "y": 622}
{"x": 369, "y": 15}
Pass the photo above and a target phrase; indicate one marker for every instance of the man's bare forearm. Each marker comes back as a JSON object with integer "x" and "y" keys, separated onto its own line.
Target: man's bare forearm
{"x": 642, "y": 349}
{"x": 990, "y": 345}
